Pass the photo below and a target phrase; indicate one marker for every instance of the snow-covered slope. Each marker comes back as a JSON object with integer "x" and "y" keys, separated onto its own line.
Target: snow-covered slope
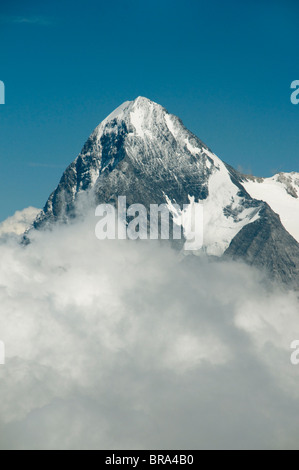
{"x": 281, "y": 192}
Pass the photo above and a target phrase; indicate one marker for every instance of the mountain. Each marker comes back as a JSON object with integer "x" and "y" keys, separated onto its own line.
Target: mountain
{"x": 146, "y": 154}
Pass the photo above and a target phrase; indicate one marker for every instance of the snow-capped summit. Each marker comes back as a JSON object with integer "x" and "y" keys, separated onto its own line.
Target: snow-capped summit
{"x": 143, "y": 152}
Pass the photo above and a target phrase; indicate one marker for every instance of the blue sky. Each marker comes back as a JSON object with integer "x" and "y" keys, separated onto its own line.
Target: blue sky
{"x": 224, "y": 67}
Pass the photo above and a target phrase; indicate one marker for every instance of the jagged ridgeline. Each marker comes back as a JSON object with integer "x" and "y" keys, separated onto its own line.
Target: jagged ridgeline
{"x": 146, "y": 154}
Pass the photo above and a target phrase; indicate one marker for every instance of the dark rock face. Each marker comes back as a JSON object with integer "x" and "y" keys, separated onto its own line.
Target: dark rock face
{"x": 266, "y": 244}
{"x": 146, "y": 154}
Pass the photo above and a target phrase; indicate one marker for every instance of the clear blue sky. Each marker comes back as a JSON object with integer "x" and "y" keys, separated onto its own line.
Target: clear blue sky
{"x": 224, "y": 67}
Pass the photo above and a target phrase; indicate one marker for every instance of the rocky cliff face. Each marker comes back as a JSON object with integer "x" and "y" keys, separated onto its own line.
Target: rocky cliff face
{"x": 267, "y": 245}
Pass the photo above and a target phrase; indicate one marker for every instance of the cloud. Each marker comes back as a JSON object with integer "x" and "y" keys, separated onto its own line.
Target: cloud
{"x": 33, "y": 20}
{"x": 19, "y": 222}
{"x": 123, "y": 344}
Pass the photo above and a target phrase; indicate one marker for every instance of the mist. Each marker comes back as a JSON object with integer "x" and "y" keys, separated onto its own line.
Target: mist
{"x": 133, "y": 345}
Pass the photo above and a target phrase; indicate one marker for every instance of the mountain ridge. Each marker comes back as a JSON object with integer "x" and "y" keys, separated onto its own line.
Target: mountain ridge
{"x": 143, "y": 152}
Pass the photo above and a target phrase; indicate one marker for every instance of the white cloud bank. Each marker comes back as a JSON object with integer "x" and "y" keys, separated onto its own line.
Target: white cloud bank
{"x": 115, "y": 345}
{"x": 19, "y": 222}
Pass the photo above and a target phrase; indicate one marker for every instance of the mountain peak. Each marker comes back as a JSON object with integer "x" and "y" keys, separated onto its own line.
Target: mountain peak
{"x": 143, "y": 101}
{"x": 142, "y": 152}
{"x": 141, "y": 113}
